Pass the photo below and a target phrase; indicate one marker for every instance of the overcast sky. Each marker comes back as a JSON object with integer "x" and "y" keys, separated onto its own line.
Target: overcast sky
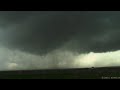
{"x": 55, "y": 39}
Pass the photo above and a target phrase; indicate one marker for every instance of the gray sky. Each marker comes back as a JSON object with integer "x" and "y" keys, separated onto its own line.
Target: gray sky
{"x": 33, "y": 31}
{"x": 43, "y": 32}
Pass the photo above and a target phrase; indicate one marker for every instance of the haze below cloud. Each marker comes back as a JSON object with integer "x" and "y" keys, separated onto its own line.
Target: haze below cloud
{"x": 76, "y": 39}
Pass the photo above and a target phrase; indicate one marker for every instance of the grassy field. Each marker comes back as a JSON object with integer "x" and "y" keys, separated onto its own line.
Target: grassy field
{"x": 86, "y": 73}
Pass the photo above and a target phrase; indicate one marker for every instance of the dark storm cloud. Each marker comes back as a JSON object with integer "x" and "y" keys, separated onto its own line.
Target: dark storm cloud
{"x": 41, "y": 32}
{"x": 46, "y": 40}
